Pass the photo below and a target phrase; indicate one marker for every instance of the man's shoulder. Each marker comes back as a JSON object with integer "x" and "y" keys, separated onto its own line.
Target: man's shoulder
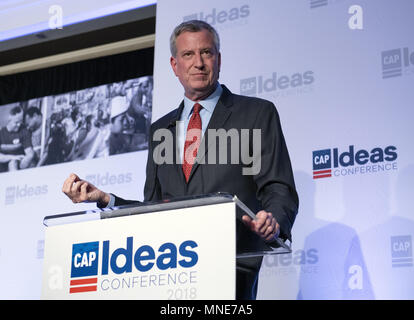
{"x": 252, "y": 100}
{"x": 166, "y": 120}
{"x": 248, "y": 102}
{"x": 253, "y": 106}
{"x": 6, "y": 135}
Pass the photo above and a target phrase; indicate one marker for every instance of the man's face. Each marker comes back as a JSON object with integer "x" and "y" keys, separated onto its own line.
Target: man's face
{"x": 197, "y": 63}
{"x": 117, "y": 124}
{"x": 32, "y": 123}
{"x": 15, "y": 122}
{"x": 123, "y": 123}
{"x": 128, "y": 124}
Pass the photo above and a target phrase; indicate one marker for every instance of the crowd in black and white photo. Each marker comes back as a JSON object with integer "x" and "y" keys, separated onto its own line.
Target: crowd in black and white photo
{"x": 91, "y": 123}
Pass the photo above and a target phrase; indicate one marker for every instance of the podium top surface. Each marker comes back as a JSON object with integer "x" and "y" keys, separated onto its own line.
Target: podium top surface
{"x": 157, "y": 206}
{"x": 141, "y": 208}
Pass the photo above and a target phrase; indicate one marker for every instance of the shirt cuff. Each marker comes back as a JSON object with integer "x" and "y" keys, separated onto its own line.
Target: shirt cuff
{"x": 111, "y": 202}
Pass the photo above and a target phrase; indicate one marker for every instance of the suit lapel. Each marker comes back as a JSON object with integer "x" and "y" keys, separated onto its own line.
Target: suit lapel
{"x": 177, "y": 169}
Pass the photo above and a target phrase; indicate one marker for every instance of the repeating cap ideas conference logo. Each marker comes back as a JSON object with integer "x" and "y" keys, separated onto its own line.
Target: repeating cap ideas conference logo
{"x": 397, "y": 62}
{"x": 318, "y": 3}
{"x": 105, "y": 179}
{"x": 16, "y": 193}
{"x": 276, "y": 83}
{"x": 322, "y": 164}
{"x": 402, "y": 251}
{"x": 85, "y": 266}
{"x": 327, "y": 163}
{"x": 101, "y": 267}
{"x": 218, "y": 16}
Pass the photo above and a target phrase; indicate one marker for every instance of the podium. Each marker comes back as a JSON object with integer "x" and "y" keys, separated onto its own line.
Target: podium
{"x": 185, "y": 248}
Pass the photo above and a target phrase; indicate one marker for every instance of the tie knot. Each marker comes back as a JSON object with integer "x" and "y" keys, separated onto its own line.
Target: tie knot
{"x": 197, "y": 107}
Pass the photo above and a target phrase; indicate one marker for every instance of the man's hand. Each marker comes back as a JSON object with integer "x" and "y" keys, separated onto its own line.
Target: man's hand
{"x": 82, "y": 191}
{"x": 265, "y": 225}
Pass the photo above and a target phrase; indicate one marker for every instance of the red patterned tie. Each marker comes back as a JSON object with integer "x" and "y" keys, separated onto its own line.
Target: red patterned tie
{"x": 192, "y": 141}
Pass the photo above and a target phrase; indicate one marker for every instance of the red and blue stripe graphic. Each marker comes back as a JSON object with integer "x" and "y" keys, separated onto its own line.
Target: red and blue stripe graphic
{"x": 322, "y": 174}
{"x": 84, "y": 270}
{"x": 83, "y": 285}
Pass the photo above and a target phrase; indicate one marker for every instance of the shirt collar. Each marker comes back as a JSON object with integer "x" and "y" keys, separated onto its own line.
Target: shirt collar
{"x": 208, "y": 103}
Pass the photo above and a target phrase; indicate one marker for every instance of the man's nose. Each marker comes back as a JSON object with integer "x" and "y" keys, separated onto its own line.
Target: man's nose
{"x": 198, "y": 61}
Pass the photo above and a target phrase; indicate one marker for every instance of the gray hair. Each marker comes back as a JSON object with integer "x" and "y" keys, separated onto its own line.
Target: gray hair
{"x": 192, "y": 26}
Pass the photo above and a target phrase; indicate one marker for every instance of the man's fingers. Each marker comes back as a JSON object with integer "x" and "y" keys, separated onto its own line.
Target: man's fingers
{"x": 78, "y": 192}
{"x": 84, "y": 192}
{"x": 76, "y": 187}
{"x": 248, "y": 221}
{"x": 67, "y": 184}
{"x": 264, "y": 221}
{"x": 261, "y": 217}
{"x": 267, "y": 223}
{"x": 270, "y": 236}
{"x": 274, "y": 233}
{"x": 246, "y": 218}
{"x": 270, "y": 229}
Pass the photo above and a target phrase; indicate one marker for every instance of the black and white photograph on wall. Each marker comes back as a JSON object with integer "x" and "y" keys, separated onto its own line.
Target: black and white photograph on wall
{"x": 90, "y": 123}
{"x": 130, "y": 114}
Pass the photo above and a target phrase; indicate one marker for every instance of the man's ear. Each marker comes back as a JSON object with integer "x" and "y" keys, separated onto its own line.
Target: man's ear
{"x": 173, "y": 62}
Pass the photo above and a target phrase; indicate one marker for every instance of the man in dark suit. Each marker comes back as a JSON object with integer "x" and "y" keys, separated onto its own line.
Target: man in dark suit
{"x": 267, "y": 187}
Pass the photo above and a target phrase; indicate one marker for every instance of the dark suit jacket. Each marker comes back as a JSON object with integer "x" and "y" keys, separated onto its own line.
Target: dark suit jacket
{"x": 272, "y": 189}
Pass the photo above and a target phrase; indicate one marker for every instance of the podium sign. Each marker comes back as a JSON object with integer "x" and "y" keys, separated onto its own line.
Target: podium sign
{"x": 186, "y": 253}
